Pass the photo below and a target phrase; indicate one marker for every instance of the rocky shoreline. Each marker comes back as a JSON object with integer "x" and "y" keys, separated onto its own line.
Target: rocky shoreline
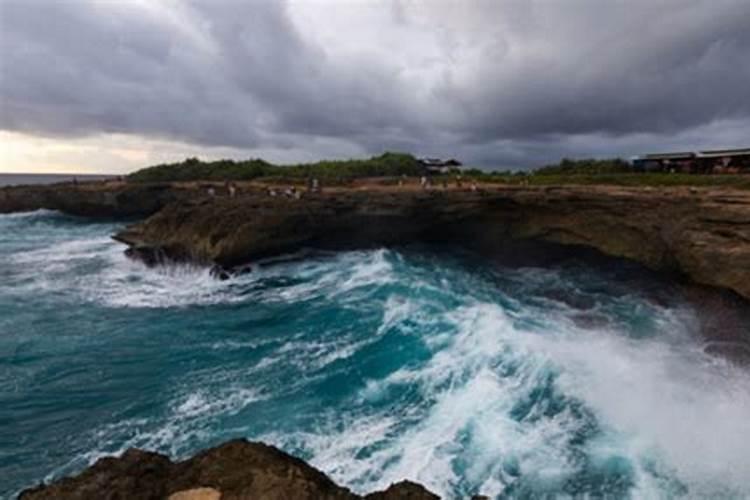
{"x": 702, "y": 234}
{"x": 237, "y": 469}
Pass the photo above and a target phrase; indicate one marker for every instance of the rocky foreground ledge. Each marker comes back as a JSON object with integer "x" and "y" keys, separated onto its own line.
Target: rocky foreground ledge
{"x": 235, "y": 470}
{"x": 700, "y": 233}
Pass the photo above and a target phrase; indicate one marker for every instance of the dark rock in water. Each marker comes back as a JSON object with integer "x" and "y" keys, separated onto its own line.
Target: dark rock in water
{"x": 136, "y": 474}
{"x": 220, "y": 273}
{"x": 235, "y": 470}
{"x": 736, "y": 352}
{"x": 151, "y": 256}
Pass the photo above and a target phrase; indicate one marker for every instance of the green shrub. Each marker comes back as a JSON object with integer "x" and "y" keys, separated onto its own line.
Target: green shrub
{"x": 192, "y": 169}
{"x": 607, "y": 172}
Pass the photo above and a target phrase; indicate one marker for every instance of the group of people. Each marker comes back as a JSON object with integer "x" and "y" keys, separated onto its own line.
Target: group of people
{"x": 231, "y": 189}
{"x": 313, "y": 186}
{"x": 426, "y": 183}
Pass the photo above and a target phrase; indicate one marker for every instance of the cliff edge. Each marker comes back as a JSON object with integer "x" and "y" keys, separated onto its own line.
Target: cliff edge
{"x": 703, "y": 234}
{"x": 92, "y": 199}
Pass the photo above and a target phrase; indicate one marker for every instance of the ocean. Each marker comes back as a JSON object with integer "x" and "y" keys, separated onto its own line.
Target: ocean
{"x": 432, "y": 364}
{"x": 24, "y": 179}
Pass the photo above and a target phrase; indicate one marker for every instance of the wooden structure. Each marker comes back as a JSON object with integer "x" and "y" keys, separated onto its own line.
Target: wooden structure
{"x": 438, "y": 165}
{"x": 729, "y": 161}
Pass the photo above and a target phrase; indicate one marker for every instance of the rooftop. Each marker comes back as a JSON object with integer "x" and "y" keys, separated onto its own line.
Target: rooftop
{"x": 724, "y": 152}
{"x": 669, "y": 156}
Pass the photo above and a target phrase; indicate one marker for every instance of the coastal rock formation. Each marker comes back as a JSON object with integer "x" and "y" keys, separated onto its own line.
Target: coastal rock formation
{"x": 234, "y": 470}
{"x": 91, "y": 199}
{"x": 703, "y": 234}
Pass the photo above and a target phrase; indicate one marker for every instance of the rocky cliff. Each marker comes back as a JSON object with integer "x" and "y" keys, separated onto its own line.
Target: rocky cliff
{"x": 703, "y": 234}
{"x": 91, "y": 199}
{"x": 235, "y": 470}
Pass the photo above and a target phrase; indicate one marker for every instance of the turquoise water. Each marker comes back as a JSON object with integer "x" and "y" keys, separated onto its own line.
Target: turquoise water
{"x": 374, "y": 365}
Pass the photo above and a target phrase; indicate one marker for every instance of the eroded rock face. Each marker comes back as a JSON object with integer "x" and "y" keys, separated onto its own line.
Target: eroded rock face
{"x": 91, "y": 199}
{"x": 703, "y": 234}
{"x": 235, "y": 470}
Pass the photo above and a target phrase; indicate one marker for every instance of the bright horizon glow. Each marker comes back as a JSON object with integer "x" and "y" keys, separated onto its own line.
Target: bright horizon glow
{"x": 119, "y": 154}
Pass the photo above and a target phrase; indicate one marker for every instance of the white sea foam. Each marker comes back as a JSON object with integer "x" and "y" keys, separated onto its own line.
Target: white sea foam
{"x": 338, "y": 276}
{"x": 201, "y": 403}
{"x": 673, "y": 412}
{"x": 674, "y": 404}
{"x": 189, "y": 419}
{"x": 42, "y": 212}
{"x": 112, "y": 279}
{"x": 131, "y": 284}
{"x": 95, "y": 269}
{"x": 65, "y": 251}
{"x": 649, "y": 396}
{"x": 472, "y": 399}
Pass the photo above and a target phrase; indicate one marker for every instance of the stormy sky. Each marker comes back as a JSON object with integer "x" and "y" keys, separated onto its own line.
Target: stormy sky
{"x": 114, "y": 85}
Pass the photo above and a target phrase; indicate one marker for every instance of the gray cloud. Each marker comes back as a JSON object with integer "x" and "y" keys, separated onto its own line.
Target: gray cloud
{"x": 514, "y": 84}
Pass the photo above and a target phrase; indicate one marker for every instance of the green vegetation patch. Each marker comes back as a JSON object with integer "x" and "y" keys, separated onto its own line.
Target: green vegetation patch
{"x": 634, "y": 179}
{"x": 192, "y": 169}
{"x": 389, "y": 166}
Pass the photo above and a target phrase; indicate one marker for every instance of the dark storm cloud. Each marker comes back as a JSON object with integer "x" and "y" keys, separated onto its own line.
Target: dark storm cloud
{"x": 74, "y": 68}
{"x": 514, "y": 83}
{"x": 660, "y": 69}
{"x": 244, "y": 77}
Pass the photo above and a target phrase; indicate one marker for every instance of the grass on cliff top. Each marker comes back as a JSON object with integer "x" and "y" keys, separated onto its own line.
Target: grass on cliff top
{"x": 609, "y": 172}
{"x": 633, "y": 179}
{"x": 616, "y": 172}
